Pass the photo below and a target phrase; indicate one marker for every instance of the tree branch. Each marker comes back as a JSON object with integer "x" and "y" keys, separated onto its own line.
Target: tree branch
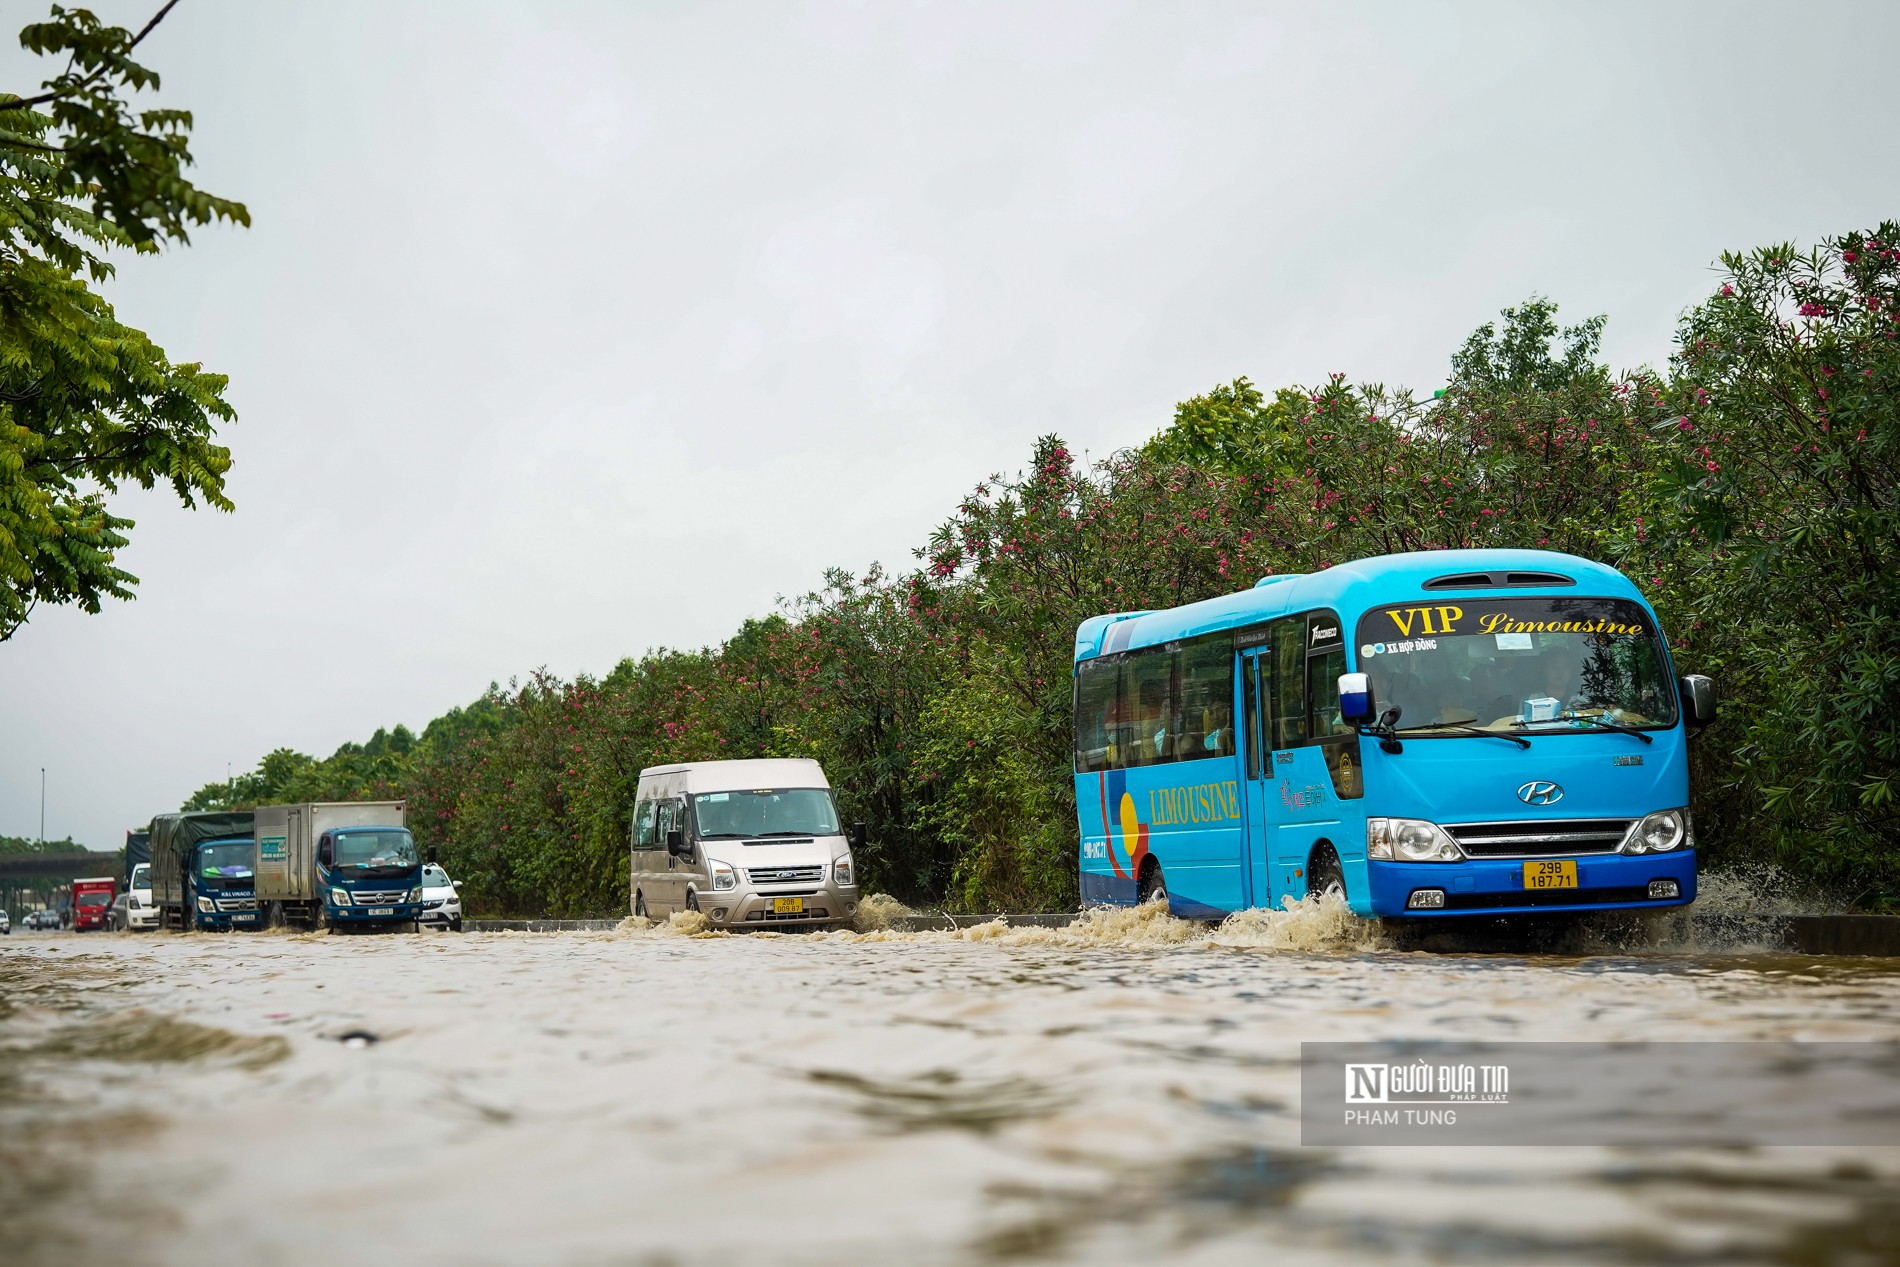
{"x": 27, "y": 103}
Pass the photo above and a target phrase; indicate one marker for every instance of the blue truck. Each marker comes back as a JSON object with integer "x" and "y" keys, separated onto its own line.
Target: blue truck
{"x": 338, "y": 865}
{"x": 204, "y": 870}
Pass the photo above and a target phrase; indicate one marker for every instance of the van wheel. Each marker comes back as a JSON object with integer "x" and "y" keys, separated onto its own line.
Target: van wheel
{"x": 1323, "y": 878}
{"x": 1154, "y": 886}
{"x": 692, "y": 901}
{"x": 640, "y": 905}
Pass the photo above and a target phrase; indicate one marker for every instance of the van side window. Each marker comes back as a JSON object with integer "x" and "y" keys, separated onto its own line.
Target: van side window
{"x": 669, "y": 818}
{"x": 643, "y": 834}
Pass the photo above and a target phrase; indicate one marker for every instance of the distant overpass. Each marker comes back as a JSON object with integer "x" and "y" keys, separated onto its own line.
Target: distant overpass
{"x": 57, "y": 866}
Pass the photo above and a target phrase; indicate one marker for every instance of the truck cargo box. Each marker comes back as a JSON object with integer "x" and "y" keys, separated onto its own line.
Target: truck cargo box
{"x": 287, "y": 836}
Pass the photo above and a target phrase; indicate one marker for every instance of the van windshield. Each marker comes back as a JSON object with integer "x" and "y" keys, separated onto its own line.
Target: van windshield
{"x": 1531, "y": 665}
{"x": 797, "y": 811}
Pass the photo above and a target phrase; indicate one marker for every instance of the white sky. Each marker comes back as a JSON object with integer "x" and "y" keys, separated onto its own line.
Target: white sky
{"x": 566, "y": 331}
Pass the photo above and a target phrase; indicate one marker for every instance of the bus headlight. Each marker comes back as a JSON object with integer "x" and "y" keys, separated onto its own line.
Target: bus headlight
{"x": 723, "y": 875}
{"x": 1409, "y": 840}
{"x": 1660, "y": 832}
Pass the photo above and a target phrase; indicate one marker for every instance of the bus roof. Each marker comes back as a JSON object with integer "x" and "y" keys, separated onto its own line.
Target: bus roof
{"x": 1351, "y": 587}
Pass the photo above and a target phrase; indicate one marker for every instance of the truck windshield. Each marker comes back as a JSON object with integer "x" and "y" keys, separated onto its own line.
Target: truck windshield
{"x": 231, "y": 859}
{"x": 1529, "y": 665}
{"x": 141, "y": 876}
{"x": 389, "y": 848}
{"x": 94, "y": 899}
{"x": 798, "y": 811}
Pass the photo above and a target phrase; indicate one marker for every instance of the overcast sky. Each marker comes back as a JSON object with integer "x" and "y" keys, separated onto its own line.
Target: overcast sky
{"x": 566, "y": 331}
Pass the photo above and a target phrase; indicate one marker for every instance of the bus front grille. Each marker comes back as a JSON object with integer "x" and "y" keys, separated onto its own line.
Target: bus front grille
{"x": 1541, "y": 838}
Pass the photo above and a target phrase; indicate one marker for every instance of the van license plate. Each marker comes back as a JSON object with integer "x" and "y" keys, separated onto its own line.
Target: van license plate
{"x": 1551, "y": 874}
{"x": 390, "y": 910}
{"x": 788, "y": 906}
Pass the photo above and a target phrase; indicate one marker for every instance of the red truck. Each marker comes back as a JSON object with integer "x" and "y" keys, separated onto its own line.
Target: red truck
{"x": 92, "y": 902}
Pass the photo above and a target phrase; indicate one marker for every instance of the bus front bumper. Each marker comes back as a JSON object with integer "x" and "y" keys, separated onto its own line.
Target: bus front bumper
{"x": 1495, "y": 886}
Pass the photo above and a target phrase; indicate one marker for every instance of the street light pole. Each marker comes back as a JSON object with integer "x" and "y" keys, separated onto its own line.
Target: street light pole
{"x": 42, "y": 809}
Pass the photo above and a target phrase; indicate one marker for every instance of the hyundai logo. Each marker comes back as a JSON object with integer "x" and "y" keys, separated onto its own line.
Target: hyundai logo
{"x": 1539, "y": 792}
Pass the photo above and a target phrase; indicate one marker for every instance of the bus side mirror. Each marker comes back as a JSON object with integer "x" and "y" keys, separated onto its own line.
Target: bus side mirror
{"x": 1355, "y": 698}
{"x": 857, "y": 837}
{"x": 675, "y": 841}
{"x": 1698, "y": 699}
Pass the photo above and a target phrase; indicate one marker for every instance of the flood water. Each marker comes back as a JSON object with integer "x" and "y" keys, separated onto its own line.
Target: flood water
{"x": 1123, "y": 1091}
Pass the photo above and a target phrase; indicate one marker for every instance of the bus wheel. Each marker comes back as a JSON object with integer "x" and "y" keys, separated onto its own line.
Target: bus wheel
{"x": 1154, "y": 887}
{"x": 1323, "y": 878}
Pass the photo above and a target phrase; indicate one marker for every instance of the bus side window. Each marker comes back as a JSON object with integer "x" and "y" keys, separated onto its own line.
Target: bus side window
{"x": 1147, "y": 708}
{"x": 1097, "y": 703}
{"x": 1322, "y": 688}
{"x": 1289, "y": 682}
{"x": 1206, "y": 694}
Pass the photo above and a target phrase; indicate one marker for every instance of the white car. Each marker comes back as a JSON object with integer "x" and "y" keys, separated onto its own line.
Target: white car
{"x": 441, "y": 903}
{"x": 6, "y": 923}
{"x": 139, "y": 912}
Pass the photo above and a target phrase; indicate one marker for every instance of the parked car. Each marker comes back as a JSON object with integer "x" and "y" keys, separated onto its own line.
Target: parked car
{"x": 441, "y": 903}
{"x": 37, "y": 920}
{"x": 6, "y": 922}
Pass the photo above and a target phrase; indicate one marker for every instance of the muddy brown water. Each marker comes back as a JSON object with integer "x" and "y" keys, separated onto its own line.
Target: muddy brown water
{"x": 1125, "y": 1090}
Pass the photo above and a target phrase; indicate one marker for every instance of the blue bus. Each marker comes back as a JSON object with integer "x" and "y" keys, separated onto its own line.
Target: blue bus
{"x": 1451, "y": 733}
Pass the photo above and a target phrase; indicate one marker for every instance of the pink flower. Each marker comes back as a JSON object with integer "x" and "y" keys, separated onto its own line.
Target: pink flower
{"x": 1727, "y": 289}
{"x": 1713, "y": 466}
{"x": 1683, "y": 424}
{"x": 1812, "y": 309}
{"x": 1849, "y": 256}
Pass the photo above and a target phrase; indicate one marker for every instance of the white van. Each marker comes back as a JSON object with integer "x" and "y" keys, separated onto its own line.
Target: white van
{"x": 752, "y": 844}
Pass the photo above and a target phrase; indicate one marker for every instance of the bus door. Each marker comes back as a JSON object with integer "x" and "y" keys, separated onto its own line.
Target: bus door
{"x": 1316, "y": 782}
{"x": 1256, "y": 768}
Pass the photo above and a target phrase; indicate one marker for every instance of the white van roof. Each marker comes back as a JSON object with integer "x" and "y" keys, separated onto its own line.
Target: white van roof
{"x": 735, "y": 776}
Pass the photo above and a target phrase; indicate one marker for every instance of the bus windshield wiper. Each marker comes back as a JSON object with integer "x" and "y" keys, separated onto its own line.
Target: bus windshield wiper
{"x": 1604, "y": 723}
{"x": 1519, "y": 740}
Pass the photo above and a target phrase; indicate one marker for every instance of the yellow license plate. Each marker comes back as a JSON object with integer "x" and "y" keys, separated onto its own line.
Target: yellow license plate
{"x": 796, "y": 905}
{"x": 1553, "y": 874}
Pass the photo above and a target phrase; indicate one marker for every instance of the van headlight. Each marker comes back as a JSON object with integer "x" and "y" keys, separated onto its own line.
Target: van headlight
{"x": 841, "y": 871}
{"x": 723, "y": 875}
{"x": 1410, "y": 840}
{"x": 339, "y": 897}
{"x": 1660, "y": 832}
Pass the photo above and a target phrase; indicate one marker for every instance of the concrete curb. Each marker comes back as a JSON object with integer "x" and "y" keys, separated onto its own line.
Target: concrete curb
{"x": 1870, "y": 935}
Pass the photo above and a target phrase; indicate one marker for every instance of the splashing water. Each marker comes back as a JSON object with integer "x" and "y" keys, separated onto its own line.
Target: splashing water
{"x": 1316, "y": 924}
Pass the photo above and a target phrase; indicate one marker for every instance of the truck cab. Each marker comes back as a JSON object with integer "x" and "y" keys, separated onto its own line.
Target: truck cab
{"x": 221, "y": 884}
{"x": 369, "y": 875}
{"x": 92, "y": 902}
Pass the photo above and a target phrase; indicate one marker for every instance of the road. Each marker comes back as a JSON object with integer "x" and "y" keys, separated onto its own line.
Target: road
{"x": 1125, "y": 1091}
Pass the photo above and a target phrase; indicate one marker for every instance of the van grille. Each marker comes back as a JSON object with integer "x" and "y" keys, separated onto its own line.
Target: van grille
{"x": 1541, "y": 838}
{"x": 785, "y": 875}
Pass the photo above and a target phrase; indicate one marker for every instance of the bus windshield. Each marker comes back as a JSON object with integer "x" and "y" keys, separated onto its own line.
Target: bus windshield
{"x": 1530, "y": 665}
{"x": 798, "y": 811}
